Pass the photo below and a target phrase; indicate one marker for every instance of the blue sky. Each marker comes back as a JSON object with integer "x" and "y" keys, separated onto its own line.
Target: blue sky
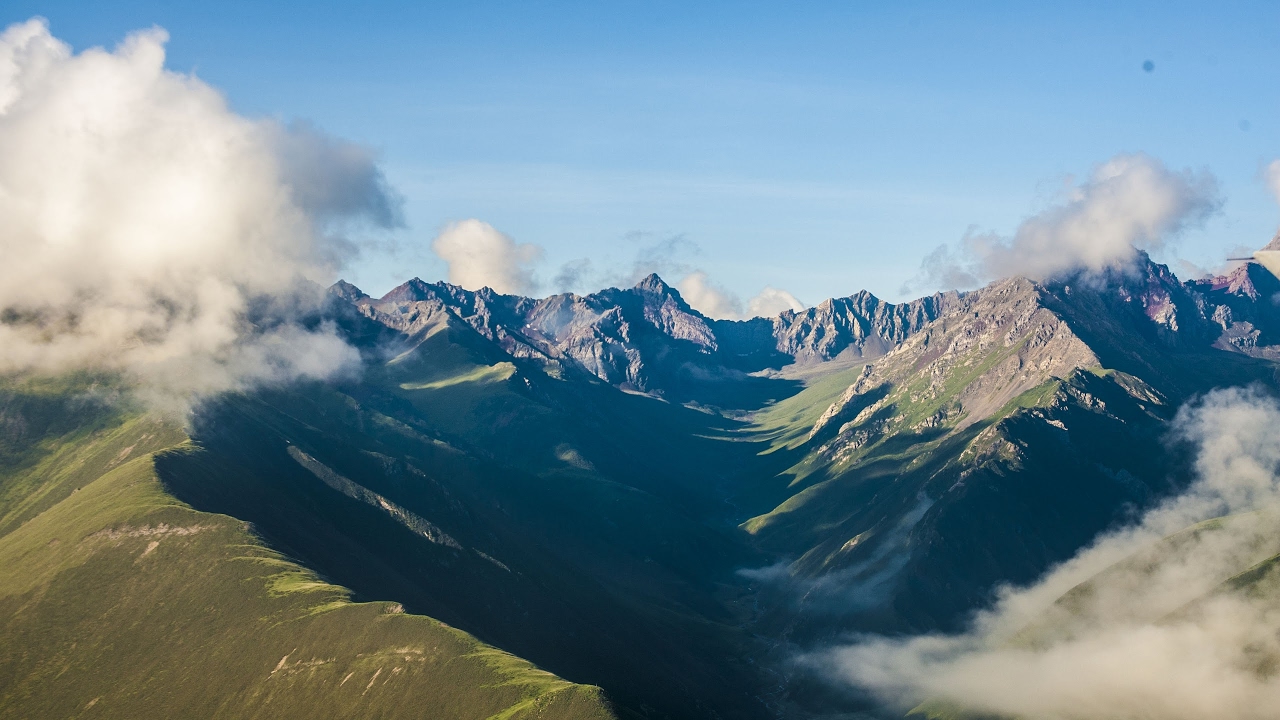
{"x": 817, "y": 147}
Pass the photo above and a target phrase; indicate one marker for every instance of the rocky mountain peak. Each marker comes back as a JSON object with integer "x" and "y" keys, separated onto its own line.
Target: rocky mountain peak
{"x": 347, "y": 291}
{"x": 1143, "y": 296}
{"x": 1242, "y": 305}
{"x": 655, "y": 285}
{"x": 1248, "y": 280}
{"x": 861, "y": 324}
{"x": 415, "y": 290}
{"x": 648, "y": 338}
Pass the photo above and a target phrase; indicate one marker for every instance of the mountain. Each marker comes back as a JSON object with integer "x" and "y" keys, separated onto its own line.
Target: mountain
{"x": 991, "y": 445}
{"x": 118, "y": 600}
{"x": 1241, "y": 302}
{"x": 647, "y": 338}
{"x": 617, "y": 490}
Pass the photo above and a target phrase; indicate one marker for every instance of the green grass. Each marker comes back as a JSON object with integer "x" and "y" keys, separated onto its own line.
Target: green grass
{"x": 899, "y": 444}
{"x": 483, "y": 374}
{"x": 786, "y": 423}
{"x": 118, "y": 601}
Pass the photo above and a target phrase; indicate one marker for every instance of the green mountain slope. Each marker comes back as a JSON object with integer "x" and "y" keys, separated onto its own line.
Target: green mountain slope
{"x": 989, "y": 445}
{"x": 118, "y": 600}
{"x": 531, "y": 512}
{"x": 671, "y": 547}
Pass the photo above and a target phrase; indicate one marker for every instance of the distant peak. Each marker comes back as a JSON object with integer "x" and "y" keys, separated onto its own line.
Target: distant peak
{"x": 1274, "y": 244}
{"x": 653, "y": 284}
{"x": 413, "y": 290}
{"x": 347, "y": 291}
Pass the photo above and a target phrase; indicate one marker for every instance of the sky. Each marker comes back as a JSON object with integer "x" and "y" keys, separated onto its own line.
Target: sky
{"x": 820, "y": 148}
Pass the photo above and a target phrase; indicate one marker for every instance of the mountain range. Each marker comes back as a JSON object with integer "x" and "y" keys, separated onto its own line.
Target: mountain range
{"x": 603, "y": 505}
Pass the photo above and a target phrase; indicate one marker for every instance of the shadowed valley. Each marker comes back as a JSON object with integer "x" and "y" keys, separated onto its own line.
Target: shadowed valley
{"x": 517, "y": 495}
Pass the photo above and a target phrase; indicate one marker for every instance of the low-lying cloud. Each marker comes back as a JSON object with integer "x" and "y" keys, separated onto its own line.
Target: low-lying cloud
{"x": 479, "y": 255}
{"x": 146, "y": 224}
{"x": 1129, "y": 203}
{"x": 1154, "y": 634}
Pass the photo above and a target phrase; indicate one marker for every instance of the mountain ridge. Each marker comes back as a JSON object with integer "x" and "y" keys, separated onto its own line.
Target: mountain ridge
{"x": 640, "y": 337}
{"x": 636, "y": 497}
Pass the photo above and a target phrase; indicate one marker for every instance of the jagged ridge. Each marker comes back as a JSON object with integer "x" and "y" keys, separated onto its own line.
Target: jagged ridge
{"x": 641, "y": 337}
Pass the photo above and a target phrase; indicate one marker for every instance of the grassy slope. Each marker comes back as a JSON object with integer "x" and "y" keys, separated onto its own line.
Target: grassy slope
{"x": 786, "y": 423}
{"x": 894, "y": 452}
{"x": 812, "y": 481}
{"x": 119, "y": 601}
{"x": 997, "y": 500}
{"x": 575, "y": 534}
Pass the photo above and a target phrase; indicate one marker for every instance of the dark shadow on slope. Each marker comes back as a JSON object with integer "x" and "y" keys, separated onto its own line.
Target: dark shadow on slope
{"x": 593, "y": 577}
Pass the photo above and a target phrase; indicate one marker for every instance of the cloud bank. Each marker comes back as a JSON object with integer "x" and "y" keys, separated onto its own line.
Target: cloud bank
{"x": 1129, "y": 203}
{"x": 147, "y": 227}
{"x": 479, "y": 255}
{"x": 1153, "y": 635}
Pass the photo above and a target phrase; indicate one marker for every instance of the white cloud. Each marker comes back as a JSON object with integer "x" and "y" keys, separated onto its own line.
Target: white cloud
{"x": 1273, "y": 178}
{"x": 772, "y": 301}
{"x": 143, "y": 220}
{"x": 1129, "y": 203}
{"x": 715, "y": 301}
{"x": 1148, "y": 639}
{"x": 479, "y": 255}
{"x": 709, "y": 298}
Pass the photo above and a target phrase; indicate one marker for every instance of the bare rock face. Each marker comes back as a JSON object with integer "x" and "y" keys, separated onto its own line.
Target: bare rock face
{"x": 861, "y": 324}
{"x": 630, "y": 338}
{"x": 347, "y": 291}
{"x": 1145, "y": 298}
{"x": 646, "y": 337}
{"x": 988, "y": 348}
